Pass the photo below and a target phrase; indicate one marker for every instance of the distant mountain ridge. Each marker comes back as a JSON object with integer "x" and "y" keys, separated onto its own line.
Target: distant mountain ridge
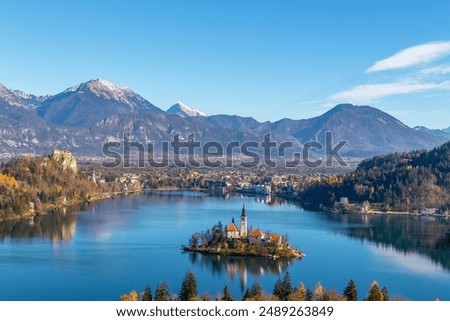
{"x": 445, "y": 133}
{"x": 182, "y": 110}
{"x": 17, "y": 98}
{"x": 84, "y": 117}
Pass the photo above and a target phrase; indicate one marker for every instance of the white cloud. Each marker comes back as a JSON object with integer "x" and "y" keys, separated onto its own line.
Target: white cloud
{"x": 371, "y": 92}
{"x": 438, "y": 70}
{"x": 412, "y": 56}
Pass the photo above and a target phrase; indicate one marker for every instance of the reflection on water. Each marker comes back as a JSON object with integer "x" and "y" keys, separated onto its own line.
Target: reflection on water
{"x": 418, "y": 234}
{"x": 237, "y": 266}
{"x": 56, "y": 226}
{"x": 126, "y": 242}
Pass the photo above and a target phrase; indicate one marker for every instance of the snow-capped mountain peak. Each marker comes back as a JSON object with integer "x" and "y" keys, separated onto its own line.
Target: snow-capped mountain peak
{"x": 107, "y": 90}
{"x": 18, "y": 98}
{"x": 89, "y": 102}
{"x": 183, "y": 110}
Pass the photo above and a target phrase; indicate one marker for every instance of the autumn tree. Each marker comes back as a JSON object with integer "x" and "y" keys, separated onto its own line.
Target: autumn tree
{"x": 318, "y": 292}
{"x": 188, "y": 289}
{"x": 298, "y": 294}
{"x": 374, "y": 293}
{"x": 132, "y": 296}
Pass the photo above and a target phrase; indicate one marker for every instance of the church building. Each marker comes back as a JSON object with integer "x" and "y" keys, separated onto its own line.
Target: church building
{"x": 232, "y": 230}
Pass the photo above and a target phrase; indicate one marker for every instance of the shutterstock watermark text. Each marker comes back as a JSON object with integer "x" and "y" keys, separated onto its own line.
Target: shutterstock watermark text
{"x": 190, "y": 152}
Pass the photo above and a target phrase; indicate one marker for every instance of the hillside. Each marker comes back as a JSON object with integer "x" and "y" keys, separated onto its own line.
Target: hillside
{"x": 407, "y": 182}
{"x": 367, "y": 130}
{"x": 34, "y": 185}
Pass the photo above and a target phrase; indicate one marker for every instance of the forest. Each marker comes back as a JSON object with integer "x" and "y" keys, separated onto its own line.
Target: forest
{"x": 34, "y": 185}
{"x": 408, "y": 181}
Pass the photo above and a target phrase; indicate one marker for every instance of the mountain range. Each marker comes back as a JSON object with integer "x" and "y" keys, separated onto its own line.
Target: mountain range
{"x": 84, "y": 117}
{"x": 445, "y": 133}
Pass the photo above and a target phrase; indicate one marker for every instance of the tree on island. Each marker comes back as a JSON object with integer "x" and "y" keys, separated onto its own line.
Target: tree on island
{"x": 188, "y": 289}
{"x": 194, "y": 240}
{"x": 162, "y": 292}
{"x": 350, "y": 292}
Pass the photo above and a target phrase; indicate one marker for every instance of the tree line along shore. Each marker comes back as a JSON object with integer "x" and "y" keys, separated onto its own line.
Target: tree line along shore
{"x": 283, "y": 290}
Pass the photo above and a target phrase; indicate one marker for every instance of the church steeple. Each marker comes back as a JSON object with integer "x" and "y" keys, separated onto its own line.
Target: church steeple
{"x": 244, "y": 229}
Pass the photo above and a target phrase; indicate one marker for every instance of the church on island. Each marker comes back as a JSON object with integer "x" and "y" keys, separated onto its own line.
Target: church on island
{"x": 254, "y": 237}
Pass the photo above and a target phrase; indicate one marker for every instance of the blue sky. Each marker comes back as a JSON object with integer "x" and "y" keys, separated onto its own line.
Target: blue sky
{"x": 266, "y": 59}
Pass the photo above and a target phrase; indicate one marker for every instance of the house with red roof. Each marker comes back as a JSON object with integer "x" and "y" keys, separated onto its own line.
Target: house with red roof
{"x": 232, "y": 231}
{"x": 256, "y": 237}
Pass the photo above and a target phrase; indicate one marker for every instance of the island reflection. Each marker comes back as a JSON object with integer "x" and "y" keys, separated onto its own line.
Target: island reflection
{"x": 239, "y": 267}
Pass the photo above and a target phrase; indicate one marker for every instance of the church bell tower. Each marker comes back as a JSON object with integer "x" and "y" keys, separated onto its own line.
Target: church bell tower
{"x": 244, "y": 228}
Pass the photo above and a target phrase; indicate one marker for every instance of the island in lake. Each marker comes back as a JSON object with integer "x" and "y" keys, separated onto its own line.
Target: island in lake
{"x": 242, "y": 241}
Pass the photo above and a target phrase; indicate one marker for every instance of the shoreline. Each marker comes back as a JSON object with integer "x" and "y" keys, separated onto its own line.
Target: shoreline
{"x": 109, "y": 195}
{"x": 294, "y": 254}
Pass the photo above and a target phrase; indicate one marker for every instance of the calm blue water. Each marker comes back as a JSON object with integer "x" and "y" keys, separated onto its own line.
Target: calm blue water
{"x": 126, "y": 243}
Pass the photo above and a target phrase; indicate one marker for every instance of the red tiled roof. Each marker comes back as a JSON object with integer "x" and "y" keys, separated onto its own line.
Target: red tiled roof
{"x": 275, "y": 237}
{"x": 232, "y": 228}
{"x": 257, "y": 233}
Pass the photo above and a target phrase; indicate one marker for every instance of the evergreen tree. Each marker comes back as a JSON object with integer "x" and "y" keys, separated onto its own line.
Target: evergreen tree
{"x": 374, "y": 293}
{"x": 385, "y": 294}
{"x": 350, "y": 291}
{"x": 309, "y": 295}
{"x": 227, "y": 295}
{"x": 278, "y": 289}
{"x": 188, "y": 289}
{"x": 256, "y": 290}
{"x": 247, "y": 295}
{"x": 287, "y": 286}
{"x": 283, "y": 289}
{"x": 147, "y": 295}
{"x": 162, "y": 292}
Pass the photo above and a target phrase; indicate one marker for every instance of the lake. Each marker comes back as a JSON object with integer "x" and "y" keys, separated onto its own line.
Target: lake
{"x": 114, "y": 246}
